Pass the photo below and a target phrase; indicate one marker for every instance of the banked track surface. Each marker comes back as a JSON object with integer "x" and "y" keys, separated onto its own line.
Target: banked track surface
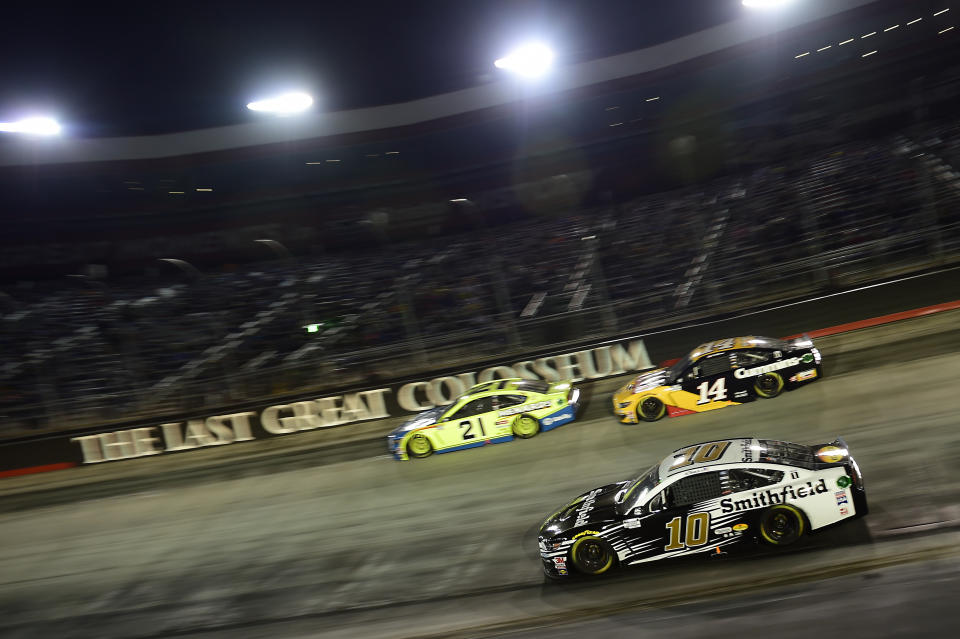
{"x": 309, "y": 542}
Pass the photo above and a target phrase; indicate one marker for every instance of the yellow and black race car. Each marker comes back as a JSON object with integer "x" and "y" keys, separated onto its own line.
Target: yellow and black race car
{"x": 718, "y": 374}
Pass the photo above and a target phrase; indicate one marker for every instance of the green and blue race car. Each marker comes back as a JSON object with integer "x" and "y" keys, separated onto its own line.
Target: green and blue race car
{"x": 488, "y": 413}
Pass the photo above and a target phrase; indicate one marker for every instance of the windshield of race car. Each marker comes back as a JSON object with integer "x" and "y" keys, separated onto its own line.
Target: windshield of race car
{"x": 641, "y": 487}
{"x": 426, "y": 418}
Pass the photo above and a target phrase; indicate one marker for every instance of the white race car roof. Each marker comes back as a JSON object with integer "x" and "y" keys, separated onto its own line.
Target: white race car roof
{"x": 705, "y": 454}
{"x": 745, "y": 450}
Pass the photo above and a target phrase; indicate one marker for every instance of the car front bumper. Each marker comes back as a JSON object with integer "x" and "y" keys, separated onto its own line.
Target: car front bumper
{"x": 395, "y": 448}
{"x": 625, "y": 408}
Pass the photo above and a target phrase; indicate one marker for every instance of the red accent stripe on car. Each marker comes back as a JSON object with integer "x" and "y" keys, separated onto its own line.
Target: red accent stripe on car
{"x": 676, "y": 411}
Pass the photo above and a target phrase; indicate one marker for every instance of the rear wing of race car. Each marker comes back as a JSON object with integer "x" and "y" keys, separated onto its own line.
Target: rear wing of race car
{"x": 851, "y": 464}
{"x": 804, "y": 341}
{"x": 837, "y": 453}
{"x": 856, "y": 478}
{"x": 573, "y": 393}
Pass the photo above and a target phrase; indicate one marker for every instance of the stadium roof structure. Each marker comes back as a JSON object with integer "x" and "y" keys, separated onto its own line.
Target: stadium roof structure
{"x": 491, "y": 95}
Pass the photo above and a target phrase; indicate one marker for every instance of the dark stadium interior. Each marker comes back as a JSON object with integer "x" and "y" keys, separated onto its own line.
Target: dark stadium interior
{"x": 765, "y": 171}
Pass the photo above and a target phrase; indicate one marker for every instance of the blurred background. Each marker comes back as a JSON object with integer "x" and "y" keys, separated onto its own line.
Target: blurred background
{"x": 176, "y": 244}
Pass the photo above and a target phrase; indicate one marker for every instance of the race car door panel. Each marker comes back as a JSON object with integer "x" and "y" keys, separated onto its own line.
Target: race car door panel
{"x": 645, "y": 530}
{"x": 667, "y": 526}
{"x": 708, "y": 384}
{"x": 501, "y": 422}
{"x": 686, "y": 531}
{"x": 747, "y": 359}
{"x": 469, "y": 424}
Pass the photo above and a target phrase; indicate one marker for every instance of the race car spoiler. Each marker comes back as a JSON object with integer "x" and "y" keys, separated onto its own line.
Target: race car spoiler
{"x": 851, "y": 464}
{"x": 837, "y": 453}
{"x": 804, "y": 341}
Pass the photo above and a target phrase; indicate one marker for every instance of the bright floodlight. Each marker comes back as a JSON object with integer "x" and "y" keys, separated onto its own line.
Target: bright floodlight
{"x": 764, "y": 4}
{"x": 32, "y": 126}
{"x": 530, "y": 60}
{"x": 283, "y": 104}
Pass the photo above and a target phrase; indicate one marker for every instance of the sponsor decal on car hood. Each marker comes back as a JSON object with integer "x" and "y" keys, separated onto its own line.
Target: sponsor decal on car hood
{"x": 595, "y": 506}
{"x": 648, "y": 381}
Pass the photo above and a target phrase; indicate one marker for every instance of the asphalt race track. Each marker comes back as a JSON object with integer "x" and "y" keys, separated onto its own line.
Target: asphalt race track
{"x": 367, "y": 546}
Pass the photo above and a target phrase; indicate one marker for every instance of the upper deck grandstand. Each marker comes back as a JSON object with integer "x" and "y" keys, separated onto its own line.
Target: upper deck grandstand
{"x": 747, "y": 164}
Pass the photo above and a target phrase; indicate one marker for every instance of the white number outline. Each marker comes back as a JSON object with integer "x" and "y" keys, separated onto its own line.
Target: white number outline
{"x": 718, "y": 391}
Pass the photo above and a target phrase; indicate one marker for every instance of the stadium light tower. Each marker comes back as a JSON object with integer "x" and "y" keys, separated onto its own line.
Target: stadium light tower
{"x": 285, "y": 104}
{"x": 765, "y": 4}
{"x": 530, "y": 60}
{"x": 32, "y": 126}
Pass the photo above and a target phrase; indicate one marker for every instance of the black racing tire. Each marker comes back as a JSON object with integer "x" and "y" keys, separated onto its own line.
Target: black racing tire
{"x": 769, "y": 385}
{"x": 592, "y": 556}
{"x": 650, "y": 409}
{"x": 525, "y": 426}
{"x": 782, "y": 525}
{"x": 419, "y": 446}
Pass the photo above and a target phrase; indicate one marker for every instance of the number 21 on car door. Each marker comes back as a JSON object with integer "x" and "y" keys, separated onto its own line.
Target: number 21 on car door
{"x": 473, "y": 421}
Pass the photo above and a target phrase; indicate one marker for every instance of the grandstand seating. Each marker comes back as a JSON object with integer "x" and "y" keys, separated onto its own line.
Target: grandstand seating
{"x": 82, "y": 350}
{"x": 576, "y": 229}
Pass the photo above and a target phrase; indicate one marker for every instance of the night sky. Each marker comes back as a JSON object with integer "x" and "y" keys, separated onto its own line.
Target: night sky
{"x": 134, "y": 68}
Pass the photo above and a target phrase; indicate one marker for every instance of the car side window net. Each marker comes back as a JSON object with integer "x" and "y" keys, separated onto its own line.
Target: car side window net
{"x": 693, "y": 489}
{"x": 715, "y": 365}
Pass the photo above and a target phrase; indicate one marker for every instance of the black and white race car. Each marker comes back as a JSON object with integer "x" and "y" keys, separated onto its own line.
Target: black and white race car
{"x": 703, "y": 498}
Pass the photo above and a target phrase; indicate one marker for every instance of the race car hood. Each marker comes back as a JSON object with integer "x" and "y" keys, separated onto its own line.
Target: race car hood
{"x": 647, "y": 381}
{"x": 426, "y": 418}
{"x": 594, "y": 507}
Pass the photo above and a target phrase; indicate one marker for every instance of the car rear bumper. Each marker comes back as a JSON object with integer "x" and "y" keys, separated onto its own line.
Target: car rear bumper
{"x": 857, "y": 488}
